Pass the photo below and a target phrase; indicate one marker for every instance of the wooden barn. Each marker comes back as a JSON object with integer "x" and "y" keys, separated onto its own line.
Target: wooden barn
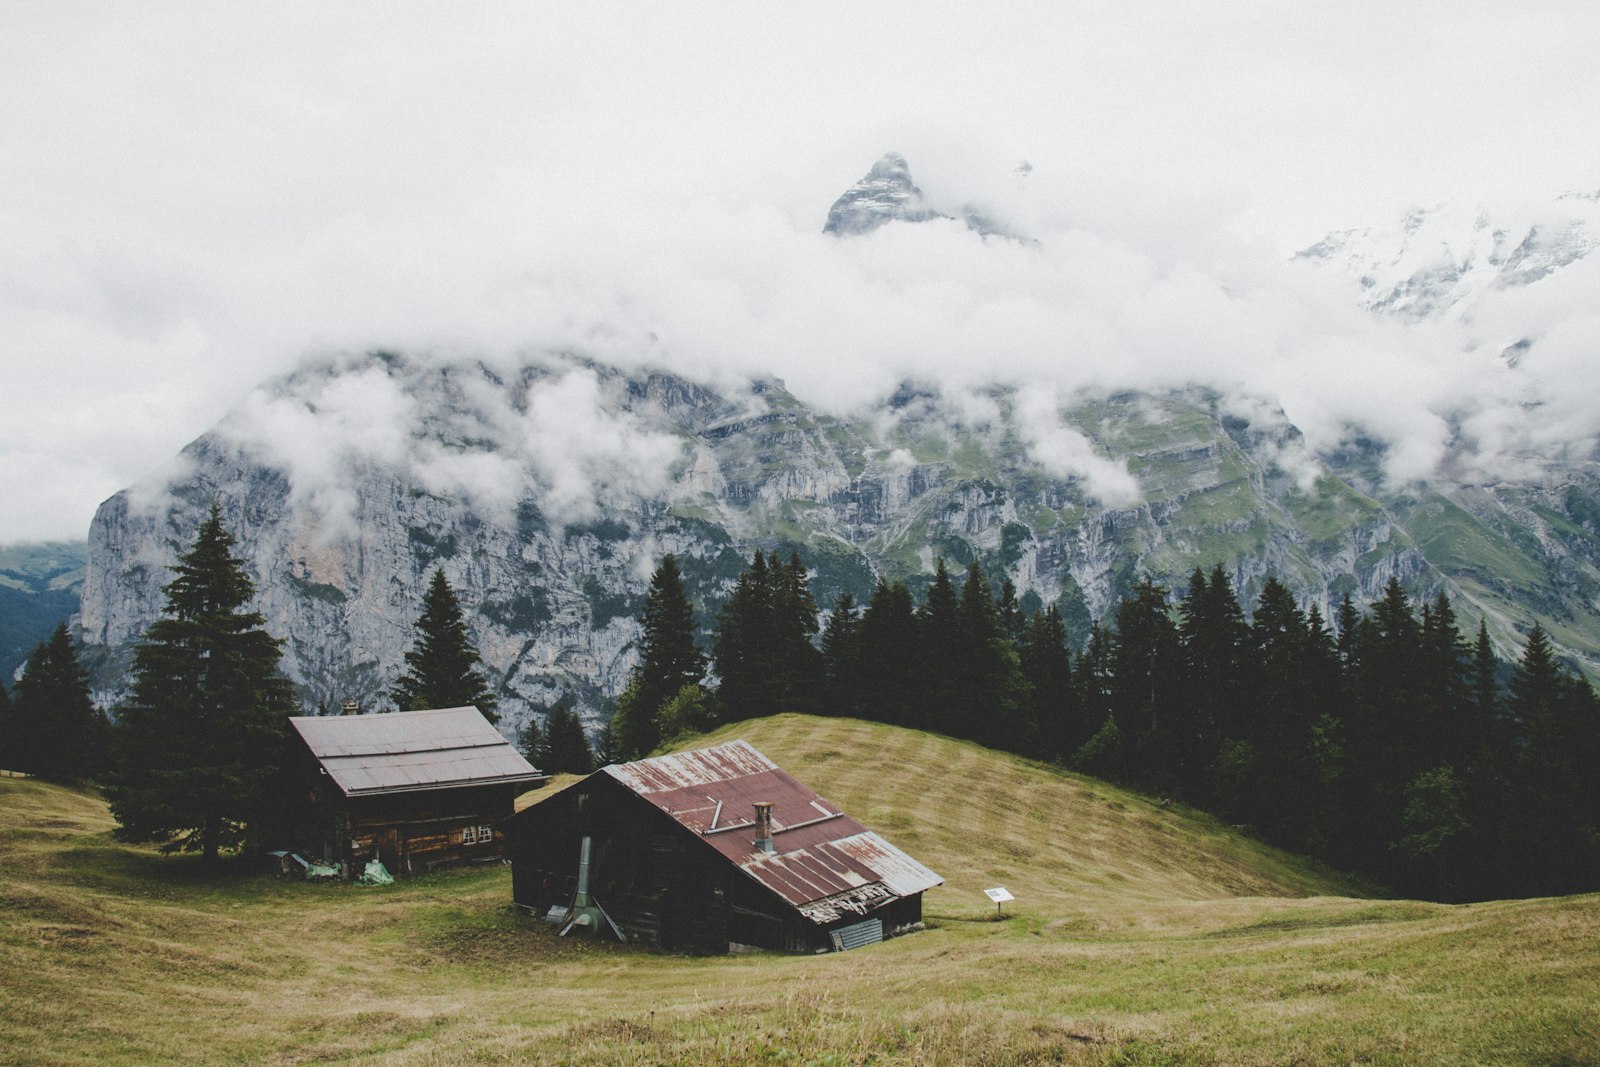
{"x": 711, "y": 850}
{"x": 414, "y": 789}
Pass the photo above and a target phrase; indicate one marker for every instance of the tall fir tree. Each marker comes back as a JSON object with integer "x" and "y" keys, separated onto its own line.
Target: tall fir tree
{"x": 565, "y": 746}
{"x": 1047, "y": 665}
{"x": 1146, "y": 689}
{"x": 59, "y": 734}
{"x": 442, "y": 668}
{"x": 841, "y": 658}
{"x": 8, "y": 730}
{"x": 892, "y": 681}
{"x": 198, "y": 743}
{"x": 1212, "y": 632}
{"x": 669, "y": 659}
{"x": 763, "y": 647}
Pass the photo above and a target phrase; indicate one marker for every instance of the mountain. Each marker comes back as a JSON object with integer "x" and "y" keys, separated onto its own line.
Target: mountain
{"x": 1443, "y": 260}
{"x": 39, "y": 588}
{"x": 887, "y": 194}
{"x": 548, "y": 486}
{"x": 552, "y": 579}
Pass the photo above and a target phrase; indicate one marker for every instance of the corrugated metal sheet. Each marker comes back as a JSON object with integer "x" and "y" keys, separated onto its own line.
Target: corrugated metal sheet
{"x": 410, "y": 750}
{"x": 824, "y": 862}
{"x": 856, "y": 935}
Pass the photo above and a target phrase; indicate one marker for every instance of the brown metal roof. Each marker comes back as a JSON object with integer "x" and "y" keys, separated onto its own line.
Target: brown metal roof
{"x": 405, "y": 751}
{"x": 824, "y": 862}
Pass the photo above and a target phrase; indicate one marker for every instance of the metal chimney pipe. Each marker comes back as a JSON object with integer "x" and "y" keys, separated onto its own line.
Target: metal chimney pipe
{"x": 351, "y": 707}
{"x": 763, "y": 841}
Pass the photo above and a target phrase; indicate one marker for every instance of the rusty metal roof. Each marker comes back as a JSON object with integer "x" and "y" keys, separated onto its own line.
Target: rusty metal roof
{"x": 823, "y": 862}
{"x": 405, "y": 751}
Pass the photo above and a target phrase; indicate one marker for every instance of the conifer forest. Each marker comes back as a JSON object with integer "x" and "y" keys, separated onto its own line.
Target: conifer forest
{"x": 1385, "y": 741}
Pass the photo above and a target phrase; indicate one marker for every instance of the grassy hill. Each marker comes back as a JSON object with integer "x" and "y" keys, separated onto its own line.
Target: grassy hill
{"x": 1140, "y": 935}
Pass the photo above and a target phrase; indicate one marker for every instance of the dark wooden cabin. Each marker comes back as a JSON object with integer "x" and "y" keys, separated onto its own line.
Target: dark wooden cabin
{"x": 414, "y": 789}
{"x": 711, "y": 850}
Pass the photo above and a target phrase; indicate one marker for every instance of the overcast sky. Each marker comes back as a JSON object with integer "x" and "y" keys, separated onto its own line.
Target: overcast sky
{"x": 194, "y": 197}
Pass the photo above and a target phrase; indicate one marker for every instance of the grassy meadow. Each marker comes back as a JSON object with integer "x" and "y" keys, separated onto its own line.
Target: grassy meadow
{"x": 1140, "y": 935}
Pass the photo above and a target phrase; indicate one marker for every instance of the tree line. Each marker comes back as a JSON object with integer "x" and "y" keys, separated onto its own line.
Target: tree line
{"x": 1384, "y": 741}
{"x": 192, "y": 761}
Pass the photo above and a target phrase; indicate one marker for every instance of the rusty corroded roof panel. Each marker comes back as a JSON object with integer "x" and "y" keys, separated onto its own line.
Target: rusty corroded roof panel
{"x": 823, "y": 862}
{"x": 410, "y": 750}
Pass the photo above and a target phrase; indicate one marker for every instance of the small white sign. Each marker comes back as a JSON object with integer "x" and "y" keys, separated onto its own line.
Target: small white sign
{"x": 999, "y": 894}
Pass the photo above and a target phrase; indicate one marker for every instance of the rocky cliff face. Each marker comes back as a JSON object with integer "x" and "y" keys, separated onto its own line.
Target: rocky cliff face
{"x": 548, "y": 488}
{"x": 552, "y": 560}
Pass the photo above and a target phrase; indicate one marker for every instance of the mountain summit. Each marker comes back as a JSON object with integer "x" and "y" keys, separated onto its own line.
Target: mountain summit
{"x": 887, "y": 194}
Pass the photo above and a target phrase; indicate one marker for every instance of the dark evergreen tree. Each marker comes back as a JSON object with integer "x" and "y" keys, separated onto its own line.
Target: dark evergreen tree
{"x": 941, "y": 647}
{"x": 890, "y": 653}
{"x": 59, "y": 734}
{"x": 530, "y": 741}
{"x": 607, "y": 749}
{"x": 1280, "y": 715}
{"x": 669, "y": 658}
{"x": 1009, "y": 616}
{"x": 1212, "y": 631}
{"x": 566, "y": 747}
{"x": 442, "y": 667}
{"x": 763, "y": 647}
{"x": 8, "y": 729}
{"x": 1047, "y": 665}
{"x": 843, "y": 682}
{"x": 1555, "y": 815}
{"x": 993, "y": 701}
{"x": 745, "y": 646}
{"x": 198, "y": 743}
{"x": 1146, "y": 687}
{"x": 795, "y": 627}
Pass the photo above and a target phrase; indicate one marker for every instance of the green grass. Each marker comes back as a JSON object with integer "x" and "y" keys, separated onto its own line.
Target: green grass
{"x": 1140, "y": 935}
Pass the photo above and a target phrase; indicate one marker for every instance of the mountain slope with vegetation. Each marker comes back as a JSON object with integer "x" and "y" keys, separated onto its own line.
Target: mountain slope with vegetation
{"x": 1140, "y": 934}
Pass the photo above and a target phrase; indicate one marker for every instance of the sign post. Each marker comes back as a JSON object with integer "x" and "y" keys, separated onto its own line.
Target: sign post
{"x": 999, "y": 894}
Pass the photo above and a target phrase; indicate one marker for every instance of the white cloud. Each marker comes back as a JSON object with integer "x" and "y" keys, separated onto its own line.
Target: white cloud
{"x": 194, "y": 198}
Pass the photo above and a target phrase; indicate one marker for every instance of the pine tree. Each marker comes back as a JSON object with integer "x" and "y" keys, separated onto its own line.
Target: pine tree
{"x": 59, "y": 734}
{"x": 745, "y": 646}
{"x": 607, "y": 749}
{"x": 941, "y": 645}
{"x": 442, "y": 667}
{"x": 566, "y": 747}
{"x": 763, "y": 646}
{"x": 841, "y": 658}
{"x": 892, "y": 682}
{"x": 530, "y": 741}
{"x": 198, "y": 743}
{"x": 1048, "y": 667}
{"x": 1147, "y": 685}
{"x": 669, "y": 659}
{"x": 1212, "y": 631}
{"x": 8, "y": 730}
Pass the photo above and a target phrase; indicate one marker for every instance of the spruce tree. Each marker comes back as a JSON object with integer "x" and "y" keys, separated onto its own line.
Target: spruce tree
{"x": 841, "y": 658}
{"x": 59, "y": 734}
{"x": 1047, "y": 665}
{"x": 442, "y": 667}
{"x": 566, "y": 747}
{"x": 669, "y": 659}
{"x": 892, "y": 681}
{"x": 198, "y": 743}
{"x": 8, "y": 730}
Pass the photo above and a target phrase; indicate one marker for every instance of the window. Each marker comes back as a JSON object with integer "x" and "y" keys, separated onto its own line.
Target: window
{"x": 477, "y": 835}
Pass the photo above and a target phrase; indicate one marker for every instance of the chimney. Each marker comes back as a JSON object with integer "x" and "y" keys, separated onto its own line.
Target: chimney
{"x": 763, "y": 841}
{"x": 350, "y": 707}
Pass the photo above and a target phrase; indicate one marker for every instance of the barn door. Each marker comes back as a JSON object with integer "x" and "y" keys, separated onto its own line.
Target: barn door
{"x": 389, "y": 849}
